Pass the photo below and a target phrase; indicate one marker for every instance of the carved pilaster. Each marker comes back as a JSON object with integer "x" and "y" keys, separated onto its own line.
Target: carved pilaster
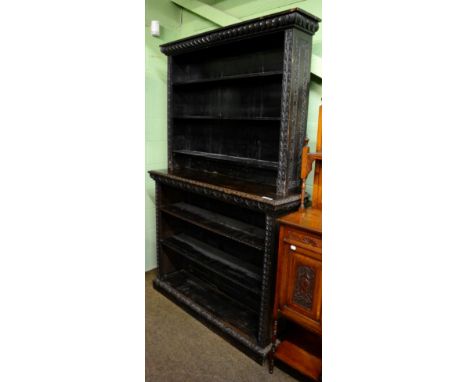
{"x": 170, "y": 120}
{"x": 158, "y": 225}
{"x": 294, "y": 102}
{"x": 284, "y": 129}
{"x": 269, "y": 265}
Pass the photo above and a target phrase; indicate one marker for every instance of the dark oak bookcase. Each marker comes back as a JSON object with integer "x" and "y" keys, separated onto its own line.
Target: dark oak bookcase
{"x": 237, "y": 112}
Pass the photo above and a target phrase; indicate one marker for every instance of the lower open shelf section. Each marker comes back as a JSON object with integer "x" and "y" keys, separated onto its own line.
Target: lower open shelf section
{"x": 233, "y": 320}
{"x": 216, "y": 252}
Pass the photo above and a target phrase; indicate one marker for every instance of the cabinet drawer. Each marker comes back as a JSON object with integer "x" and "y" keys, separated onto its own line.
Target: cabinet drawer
{"x": 303, "y": 239}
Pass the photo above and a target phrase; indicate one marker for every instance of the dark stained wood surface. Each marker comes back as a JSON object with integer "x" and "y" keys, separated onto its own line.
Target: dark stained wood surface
{"x": 294, "y": 17}
{"x": 237, "y": 116}
{"x": 233, "y": 77}
{"x": 250, "y": 190}
{"x": 225, "y": 117}
{"x": 233, "y": 313}
{"x": 244, "y": 275}
{"x": 229, "y": 158}
{"x": 231, "y": 228}
{"x": 240, "y": 107}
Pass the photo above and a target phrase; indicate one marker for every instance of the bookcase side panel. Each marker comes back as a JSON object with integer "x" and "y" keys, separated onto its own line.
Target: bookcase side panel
{"x": 294, "y": 106}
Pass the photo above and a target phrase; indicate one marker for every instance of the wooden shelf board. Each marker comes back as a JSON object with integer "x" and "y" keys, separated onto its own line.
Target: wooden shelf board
{"x": 238, "y": 118}
{"x": 242, "y": 274}
{"x": 298, "y": 358}
{"x": 229, "y": 78}
{"x": 233, "y": 229}
{"x": 258, "y": 163}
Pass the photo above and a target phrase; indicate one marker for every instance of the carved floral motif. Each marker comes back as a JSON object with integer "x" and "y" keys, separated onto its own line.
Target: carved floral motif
{"x": 305, "y": 277}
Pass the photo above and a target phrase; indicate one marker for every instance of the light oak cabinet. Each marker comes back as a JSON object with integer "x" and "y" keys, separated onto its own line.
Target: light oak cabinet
{"x": 298, "y": 298}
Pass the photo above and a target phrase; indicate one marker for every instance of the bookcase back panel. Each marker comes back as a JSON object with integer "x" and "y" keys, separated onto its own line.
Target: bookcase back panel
{"x": 207, "y": 243}
{"x": 172, "y": 195}
{"x": 241, "y": 99}
{"x": 231, "y": 169}
{"x": 257, "y": 55}
{"x": 245, "y": 139}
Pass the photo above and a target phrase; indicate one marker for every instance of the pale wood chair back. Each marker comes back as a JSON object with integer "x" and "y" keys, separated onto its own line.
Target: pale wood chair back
{"x": 306, "y": 167}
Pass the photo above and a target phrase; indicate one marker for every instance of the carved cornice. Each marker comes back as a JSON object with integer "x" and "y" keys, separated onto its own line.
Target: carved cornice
{"x": 294, "y": 18}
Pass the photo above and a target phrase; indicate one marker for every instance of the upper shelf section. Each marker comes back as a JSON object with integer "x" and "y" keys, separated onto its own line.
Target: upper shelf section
{"x": 256, "y": 59}
{"x": 238, "y": 101}
{"x": 294, "y": 18}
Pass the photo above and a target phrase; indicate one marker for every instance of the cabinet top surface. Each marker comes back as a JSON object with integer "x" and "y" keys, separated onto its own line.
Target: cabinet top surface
{"x": 295, "y": 17}
{"x": 309, "y": 219}
{"x": 254, "y": 191}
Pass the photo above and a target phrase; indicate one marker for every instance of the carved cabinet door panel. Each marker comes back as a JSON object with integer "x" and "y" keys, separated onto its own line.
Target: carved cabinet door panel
{"x": 302, "y": 296}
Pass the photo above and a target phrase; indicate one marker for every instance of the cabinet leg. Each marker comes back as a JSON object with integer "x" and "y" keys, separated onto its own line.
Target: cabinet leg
{"x": 271, "y": 355}
{"x": 271, "y": 362}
